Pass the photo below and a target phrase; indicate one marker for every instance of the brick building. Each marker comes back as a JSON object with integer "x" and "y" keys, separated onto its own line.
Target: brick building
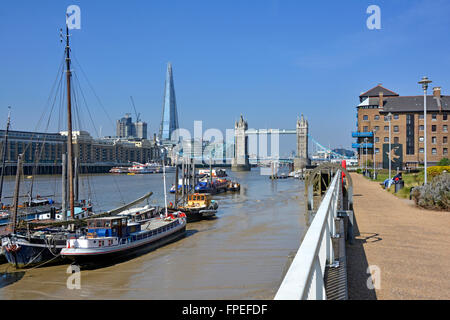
{"x": 407, "y": 128}
{"x": 49, "y": 147}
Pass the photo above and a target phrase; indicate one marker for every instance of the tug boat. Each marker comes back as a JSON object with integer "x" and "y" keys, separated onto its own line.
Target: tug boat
{"x": 117, "y": 237}
{"x": 199, "y": 206}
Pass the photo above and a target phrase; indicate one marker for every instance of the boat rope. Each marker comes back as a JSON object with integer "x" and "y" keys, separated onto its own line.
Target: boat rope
{"x": 48, "y": 261}
{"x": 49, "y": 242}
{"x": 34, "y": 258}
{"x": 77, "y": 87}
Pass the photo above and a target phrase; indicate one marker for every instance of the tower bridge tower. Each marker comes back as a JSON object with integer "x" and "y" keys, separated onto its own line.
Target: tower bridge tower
{"x": 302, "y": 159}
{"x": 240, "y": 161}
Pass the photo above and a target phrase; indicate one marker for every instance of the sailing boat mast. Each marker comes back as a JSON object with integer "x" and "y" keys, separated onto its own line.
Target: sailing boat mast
{"x": 16, "y": 194}
{"x": 69, "y": 128}
{"x": 165, "y": 188}
{"x": 5, "y": 148}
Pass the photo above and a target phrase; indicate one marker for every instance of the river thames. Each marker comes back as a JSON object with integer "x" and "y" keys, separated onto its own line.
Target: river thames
{"x": 242, "y": 254}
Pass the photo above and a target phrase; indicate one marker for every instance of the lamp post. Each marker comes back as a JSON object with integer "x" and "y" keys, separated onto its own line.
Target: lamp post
{"x": 374, "y": 132}
{"x": 365, "y": 165}
{"x": 424, "y": 82}
{"x": 361, "y": 155}
{"x": 389, "y": 118}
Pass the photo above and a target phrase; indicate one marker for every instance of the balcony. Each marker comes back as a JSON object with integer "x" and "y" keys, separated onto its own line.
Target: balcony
{"x": 362, "y": 145}
{"x": 362, "y": 134}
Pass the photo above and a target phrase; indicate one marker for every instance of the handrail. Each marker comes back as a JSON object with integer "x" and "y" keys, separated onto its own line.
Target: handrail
{"x": 305, "y": 277}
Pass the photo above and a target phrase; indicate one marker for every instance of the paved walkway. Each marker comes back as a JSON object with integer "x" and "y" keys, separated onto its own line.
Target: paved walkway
{"x": 410, "y": 246}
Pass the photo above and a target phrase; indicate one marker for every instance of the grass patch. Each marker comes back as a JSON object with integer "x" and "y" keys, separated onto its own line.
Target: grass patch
{"x": 411, "y": 180}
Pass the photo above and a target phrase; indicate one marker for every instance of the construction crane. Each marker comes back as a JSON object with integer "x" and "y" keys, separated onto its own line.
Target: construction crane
{"x": 134, "y": 107}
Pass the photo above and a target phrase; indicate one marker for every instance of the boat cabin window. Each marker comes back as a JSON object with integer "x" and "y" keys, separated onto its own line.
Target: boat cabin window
{"x": 99, "y": 224}
{"x": 115, "y": 222}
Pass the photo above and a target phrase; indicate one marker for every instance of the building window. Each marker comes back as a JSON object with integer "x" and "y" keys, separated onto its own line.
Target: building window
{"x": 377, "y": 139}
{"x": 365, "y": 129}
{"x": 386, "y": 139}
{"x": 444, "y": 128}
{"x": 395, "y": 116}
{"x": 386, "y": 128}
{"x": 421, "y": 128}
{"x": 444, "y": 117}
{"x": 445, "y": 151}
{"x": 444, "y": 140}
{"x": 395, "y": 139}
{"x": 433, "y": 128}
{"x": 421, "y": 150}
{"x": 377, "y": 150}
{"x": 433, "y": 140}
{"x": 386, "y": 118}
{"x": 433, "y": 151}
{"x": 421, "y": 116}
{"x": 365, "y": 117}
{"x": 377, "y": 128}
{"x": 434, "y": 117}
{"x": 377, "y": 117}
{"x": 395, "y": 128}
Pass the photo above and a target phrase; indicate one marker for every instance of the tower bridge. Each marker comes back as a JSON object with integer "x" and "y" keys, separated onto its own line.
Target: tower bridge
{"x": 241, "y": 161}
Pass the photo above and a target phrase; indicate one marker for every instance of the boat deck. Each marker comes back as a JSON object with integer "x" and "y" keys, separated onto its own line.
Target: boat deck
{"x": 153, "y": 224}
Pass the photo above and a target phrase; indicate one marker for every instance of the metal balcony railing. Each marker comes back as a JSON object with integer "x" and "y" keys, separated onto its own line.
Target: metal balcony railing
{"x": 305, "y": 277}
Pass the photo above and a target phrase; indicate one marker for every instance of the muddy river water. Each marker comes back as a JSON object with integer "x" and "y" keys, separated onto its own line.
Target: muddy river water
{"x": 243, "y": 254}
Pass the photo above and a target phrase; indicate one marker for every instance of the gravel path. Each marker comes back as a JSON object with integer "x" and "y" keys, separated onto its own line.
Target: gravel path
{"x": 409, "y": 246}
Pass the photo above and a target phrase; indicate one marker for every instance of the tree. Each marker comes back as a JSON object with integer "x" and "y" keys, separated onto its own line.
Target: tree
{"x": 444, "y": 162}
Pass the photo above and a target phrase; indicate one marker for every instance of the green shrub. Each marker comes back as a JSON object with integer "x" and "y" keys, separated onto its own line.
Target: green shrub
{"x": 444, "y": 162}
{"x": 435, "y": 195}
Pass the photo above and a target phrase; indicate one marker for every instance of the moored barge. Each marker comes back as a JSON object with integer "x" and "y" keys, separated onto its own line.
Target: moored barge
{"x": 116, "y": 238}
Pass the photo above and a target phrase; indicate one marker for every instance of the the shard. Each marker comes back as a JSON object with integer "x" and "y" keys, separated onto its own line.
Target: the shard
{"x": 169, "y": 121}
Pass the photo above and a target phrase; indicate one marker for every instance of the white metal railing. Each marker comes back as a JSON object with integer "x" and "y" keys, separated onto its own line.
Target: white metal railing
{"x": 305, "y": 277}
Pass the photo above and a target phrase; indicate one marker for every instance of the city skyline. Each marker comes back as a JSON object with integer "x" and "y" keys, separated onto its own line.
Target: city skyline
{"x": 231, "y": 59}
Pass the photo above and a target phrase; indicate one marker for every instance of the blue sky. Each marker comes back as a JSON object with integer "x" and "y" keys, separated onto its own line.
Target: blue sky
{"x": 268, "y": 59}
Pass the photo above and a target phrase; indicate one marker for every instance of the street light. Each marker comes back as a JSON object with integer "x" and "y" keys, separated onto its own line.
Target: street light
{"x": 389, "y": 118}
{"x": 424, "y": 82}
{"x": 374, "y": 132}
{"x": 365, "y": 165}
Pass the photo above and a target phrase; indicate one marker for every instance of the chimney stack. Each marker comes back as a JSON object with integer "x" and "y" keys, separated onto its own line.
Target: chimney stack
{"x": 437, "y": 92}
{"x": 381, "y": 100}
